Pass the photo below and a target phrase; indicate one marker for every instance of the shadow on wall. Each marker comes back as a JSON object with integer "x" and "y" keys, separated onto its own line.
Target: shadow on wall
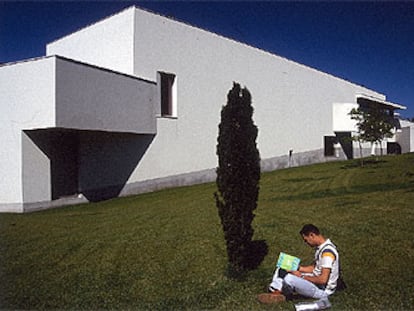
{"x": 107, "y": 160}
{"x": 94, "y": 163}
{"x": 61, "y": 150}
{"x": 345, "y": 139}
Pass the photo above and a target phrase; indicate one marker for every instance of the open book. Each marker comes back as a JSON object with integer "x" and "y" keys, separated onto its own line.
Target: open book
{"x": 288, "y": 262}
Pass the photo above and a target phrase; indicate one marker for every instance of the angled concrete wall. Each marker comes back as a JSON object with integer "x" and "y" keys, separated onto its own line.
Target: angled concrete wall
{"x": 91, "y": 98}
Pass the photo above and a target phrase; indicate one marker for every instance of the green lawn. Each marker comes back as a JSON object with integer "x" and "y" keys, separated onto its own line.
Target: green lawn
{"x": 165, "y": 250}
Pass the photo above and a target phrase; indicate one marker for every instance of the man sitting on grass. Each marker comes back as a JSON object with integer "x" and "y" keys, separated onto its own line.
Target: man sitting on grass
{"x": 318, "y": 280}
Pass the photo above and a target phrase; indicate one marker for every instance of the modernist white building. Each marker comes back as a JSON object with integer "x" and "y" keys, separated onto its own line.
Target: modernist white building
{"x": 132, "y": 104}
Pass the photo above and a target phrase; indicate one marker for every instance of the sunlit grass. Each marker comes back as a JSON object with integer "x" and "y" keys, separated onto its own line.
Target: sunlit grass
{"x": 165, "y": 250}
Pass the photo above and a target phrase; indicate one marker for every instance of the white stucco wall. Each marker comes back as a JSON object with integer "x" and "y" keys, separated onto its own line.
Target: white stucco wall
{"x": 107, "y": 43}
{"x": 36, "y": 172}
{"x": 293, "y": 103}
{"x": 405, "y": 138}
{"x": 27, "y": 102}
{"x": 90, "y": 98}
{"x": 56, "y": 93}
{"x": 341, "y": 118}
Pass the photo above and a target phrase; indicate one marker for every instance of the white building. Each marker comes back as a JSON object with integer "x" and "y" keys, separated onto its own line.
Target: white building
{"x": 132, "y": 104}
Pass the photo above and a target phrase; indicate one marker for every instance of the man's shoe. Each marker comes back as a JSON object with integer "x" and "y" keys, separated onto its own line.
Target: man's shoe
{"x": 273, "y": 297}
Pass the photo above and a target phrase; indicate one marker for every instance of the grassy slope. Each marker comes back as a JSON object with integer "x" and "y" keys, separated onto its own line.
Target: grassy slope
{"x": 165, "y": 250}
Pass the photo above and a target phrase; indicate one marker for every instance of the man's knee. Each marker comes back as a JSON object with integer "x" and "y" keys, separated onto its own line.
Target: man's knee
{"x": 288, "y": 288}
{"x": 292, "y": 281}
{"x": 289, "y": 280}
{"x": 282, "y": 273}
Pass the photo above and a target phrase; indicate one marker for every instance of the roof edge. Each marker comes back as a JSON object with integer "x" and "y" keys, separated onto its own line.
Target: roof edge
{"x": 381, "y": 101}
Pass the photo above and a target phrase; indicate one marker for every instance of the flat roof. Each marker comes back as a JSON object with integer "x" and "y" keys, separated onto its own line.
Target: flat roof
{"x": 380, "y": 101}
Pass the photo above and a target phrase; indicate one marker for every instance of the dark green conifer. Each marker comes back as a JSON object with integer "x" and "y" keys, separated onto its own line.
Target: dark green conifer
{"x": 238, "y": 176}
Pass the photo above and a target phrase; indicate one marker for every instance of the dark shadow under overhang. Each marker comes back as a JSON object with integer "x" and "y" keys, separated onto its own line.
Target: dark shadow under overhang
{"x": 374, "y": 100}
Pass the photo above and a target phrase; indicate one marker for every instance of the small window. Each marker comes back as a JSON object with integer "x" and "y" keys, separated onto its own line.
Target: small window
{"x": 168, "y": 94}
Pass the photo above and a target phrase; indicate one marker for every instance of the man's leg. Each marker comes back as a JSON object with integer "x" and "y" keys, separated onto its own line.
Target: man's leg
{"x": 303, "y": 287}
{"x": 275, "y": 288}
{"x": 277, "y": 280}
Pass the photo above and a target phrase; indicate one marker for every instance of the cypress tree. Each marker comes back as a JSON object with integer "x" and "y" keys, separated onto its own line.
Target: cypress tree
{"x": 238, "y": 176}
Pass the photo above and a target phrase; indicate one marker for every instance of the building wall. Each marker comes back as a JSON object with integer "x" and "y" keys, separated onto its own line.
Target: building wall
{"x": 49, "y": 106}
{"x": 341, "y": 119}
{"x": 406, "y": 139}
{"x": 107, "y": 160}
{"x": 36, "y": 166}
{"x": 27, "y": 102}
{"x": 107, "y": 43}
{"x": 90, "y": 98}
{"x": 293, "y": 103}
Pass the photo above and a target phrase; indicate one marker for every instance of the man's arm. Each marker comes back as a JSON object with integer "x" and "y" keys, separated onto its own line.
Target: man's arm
{"x": 303, "y": 269}
{"x": 306, "y": 269}
{"x": 321, "y": 279}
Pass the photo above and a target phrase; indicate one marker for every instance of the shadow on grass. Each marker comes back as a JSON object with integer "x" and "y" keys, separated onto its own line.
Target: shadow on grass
{"x": 256, "y": 253}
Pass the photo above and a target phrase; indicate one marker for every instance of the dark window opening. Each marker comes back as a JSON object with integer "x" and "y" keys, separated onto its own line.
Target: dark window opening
{"x": 167, "y": 94}
{"x": 329, "y": 143}
{"x": 393, "y": 148}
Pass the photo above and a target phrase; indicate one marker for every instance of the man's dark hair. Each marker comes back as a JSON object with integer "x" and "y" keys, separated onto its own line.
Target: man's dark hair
{"x": 308, "y": 229}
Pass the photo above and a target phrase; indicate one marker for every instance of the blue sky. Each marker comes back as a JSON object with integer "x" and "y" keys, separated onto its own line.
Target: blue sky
{"x": 368, "y": 43}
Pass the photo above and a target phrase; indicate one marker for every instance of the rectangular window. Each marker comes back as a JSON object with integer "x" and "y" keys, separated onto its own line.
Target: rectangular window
{"x": 168, "y": 94}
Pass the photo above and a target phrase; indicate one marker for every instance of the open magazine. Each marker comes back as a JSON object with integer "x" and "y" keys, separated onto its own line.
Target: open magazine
{"x": 288, "y": 262}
